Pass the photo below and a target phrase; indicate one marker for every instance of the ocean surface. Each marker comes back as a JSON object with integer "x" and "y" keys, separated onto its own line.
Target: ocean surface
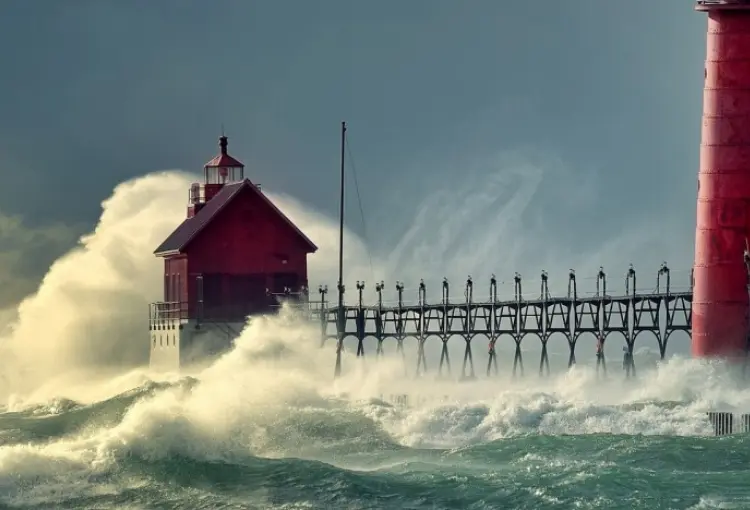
{"x": 262, "y": 428}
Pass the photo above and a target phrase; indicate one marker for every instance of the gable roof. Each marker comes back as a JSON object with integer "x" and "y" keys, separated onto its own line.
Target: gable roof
{"x": 191, "y": 227}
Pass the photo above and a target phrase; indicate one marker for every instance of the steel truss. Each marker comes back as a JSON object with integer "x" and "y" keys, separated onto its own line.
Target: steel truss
{"x": 571, "y": 316}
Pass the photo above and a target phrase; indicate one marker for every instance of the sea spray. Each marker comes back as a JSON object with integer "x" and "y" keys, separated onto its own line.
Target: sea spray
{"x": 87, "y": 321}
{"x": 266, "y": 426}
{"x": 272, "y": 397}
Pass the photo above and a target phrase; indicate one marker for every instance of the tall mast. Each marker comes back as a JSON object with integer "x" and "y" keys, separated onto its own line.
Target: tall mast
{"x": 341, "y": 219}
{"x": 340, "y": 314}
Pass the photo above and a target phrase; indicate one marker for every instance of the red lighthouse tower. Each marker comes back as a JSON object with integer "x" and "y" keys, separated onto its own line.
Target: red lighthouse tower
{"x": 234, "y": 255}
{"x": 720, "y": 297}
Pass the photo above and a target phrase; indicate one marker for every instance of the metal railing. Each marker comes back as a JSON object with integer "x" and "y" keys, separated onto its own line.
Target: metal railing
{"x": 727, "y": 423}
{"x": 722, "y": 3}
{"x": 167, "y": 310}
{"x": 162, "y": 312}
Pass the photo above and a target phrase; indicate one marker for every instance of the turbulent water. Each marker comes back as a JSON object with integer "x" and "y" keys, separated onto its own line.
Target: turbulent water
{"x": 265, "y": 427}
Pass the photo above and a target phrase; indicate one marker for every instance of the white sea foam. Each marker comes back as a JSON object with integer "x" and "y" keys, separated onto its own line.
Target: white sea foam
{"x": 256, "y": 400}
{"x": 87, "y": 320}
{"x": 82, "y": 336}
{"x": 273, "y": 396}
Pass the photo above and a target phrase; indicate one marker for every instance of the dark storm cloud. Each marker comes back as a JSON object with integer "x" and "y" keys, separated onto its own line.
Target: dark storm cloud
{"x": 26, "y": 252}
{"x": 94, "y": 92}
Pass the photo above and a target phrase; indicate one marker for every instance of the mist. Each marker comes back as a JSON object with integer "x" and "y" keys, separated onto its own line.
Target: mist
{"x": 87, "y": 319}
{"x": 271, "y": 398}
{"x": 254, "y": 402}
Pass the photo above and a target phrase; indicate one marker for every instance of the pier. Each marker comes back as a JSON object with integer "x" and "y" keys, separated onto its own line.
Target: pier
{"x": 660, "y": 312}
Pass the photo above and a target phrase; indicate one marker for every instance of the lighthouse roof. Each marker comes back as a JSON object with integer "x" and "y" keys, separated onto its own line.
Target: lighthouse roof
{"x": 223, "y": 159}
{"x": 191, "y": 227}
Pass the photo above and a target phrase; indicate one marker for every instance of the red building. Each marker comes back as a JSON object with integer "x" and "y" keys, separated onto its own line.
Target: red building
{"x": 234, "y": 253}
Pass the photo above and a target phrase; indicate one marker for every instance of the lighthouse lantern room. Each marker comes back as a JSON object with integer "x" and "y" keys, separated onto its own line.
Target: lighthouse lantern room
{"x": 235, "y": 255}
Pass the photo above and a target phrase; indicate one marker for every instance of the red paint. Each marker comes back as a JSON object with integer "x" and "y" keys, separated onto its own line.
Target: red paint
{"x": 224, "y": 161}
{"x": 241, "y": 246}
{"x": 720, "y": 299}
{"x": 246, "y": 237}
{"x": 175, "y": 281}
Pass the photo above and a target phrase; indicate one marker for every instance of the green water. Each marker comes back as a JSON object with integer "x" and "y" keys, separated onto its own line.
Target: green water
{"x": 132, "y": 451}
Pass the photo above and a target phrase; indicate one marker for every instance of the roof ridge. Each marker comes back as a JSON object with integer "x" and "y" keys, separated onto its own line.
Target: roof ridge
{"x": 178, "y": 240}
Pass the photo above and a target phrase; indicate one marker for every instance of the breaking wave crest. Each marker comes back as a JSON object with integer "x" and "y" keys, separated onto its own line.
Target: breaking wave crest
{"x": 268, "y": 414}
{"x": 87, "y": 321}
{"x": 83, "y": 425}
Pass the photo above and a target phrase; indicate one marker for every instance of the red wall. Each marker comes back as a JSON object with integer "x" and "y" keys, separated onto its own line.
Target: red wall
{"x": 175, "y": 279}
{"x": 176, "y": 283}
{"x": 246, "y": 239}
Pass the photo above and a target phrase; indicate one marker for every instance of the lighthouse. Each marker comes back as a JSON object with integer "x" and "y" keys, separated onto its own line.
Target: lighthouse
{"x": 236, "y": 255}
{"x": 720, "y": 296}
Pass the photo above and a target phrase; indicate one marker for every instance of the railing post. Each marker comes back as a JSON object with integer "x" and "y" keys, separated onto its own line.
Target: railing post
{"x": 468, "y": 329}
{"x": 601, "y": 291}
{"x": 666, "y": 271}
{"x": 340, "y": 326}
{"x": 492, "y": 355}
{"x": 518, "y": 358}
{"x": 379, "y": 318}
{"x": 360, "y": 288}
{"x": 630, "y": 331}
{"x": 519, "y": 289}
{"x": 360, "y": 321}
{"x": 630, "y": 276}
{"x": 400, "y": 323}
{"x": 667, "y": 330}
{"x": 445, "y": 330}
{"x": 572, "y": 287}
{"x": 323, "y": 290}
{"x": 601, "y": 283}
{"x": 422, "y": 301}
{"x": 544, "y": 360}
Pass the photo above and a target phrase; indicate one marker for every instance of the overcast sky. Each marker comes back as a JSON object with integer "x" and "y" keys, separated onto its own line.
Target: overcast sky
{"x": 598, "y": 101}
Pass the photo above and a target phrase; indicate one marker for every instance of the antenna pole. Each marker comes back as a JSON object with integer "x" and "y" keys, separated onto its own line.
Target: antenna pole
{"x": 340, "y": 315}
{"x": 341, "y": 218}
